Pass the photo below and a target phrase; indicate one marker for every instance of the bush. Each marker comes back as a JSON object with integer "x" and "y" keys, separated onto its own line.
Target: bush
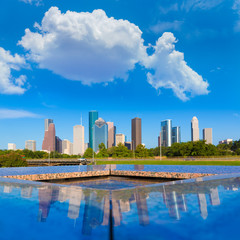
{"x": 12, "y": 160}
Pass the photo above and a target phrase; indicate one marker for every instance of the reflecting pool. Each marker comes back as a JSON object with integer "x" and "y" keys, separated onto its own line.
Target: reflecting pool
{"x": 203, "y": 208}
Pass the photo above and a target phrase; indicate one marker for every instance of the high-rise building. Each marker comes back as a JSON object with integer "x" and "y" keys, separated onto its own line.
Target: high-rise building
{"x": 93, "y": 116}
{"x": 176, "y": 135}
{"x": 111, "y": 135}
{"x": 67, "y": 147}
{"x": 226, "y": 141}
{"x": 166, "y": 133}
{"x": 30, "y": 145}
{"x": 136, "y": 132}
{"x": 58, "y": 143}
{"x": 46, "y": 123}
{"x": 194, "y": 129}
{"x": 207, "y": 135}
{"x": 100, "y": 133}
{"x": 120, "y": 138}
{"x": 49, "y": 141}
{"x": 78, "y": 140}
{"x": 12, "y": 146}
{"x": 128, "y": 145}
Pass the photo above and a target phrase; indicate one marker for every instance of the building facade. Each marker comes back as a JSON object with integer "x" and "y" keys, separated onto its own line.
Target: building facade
{"x": 49, "y": 141}
{"x": 226, "y": 141}
{"x": 111, "y": 135}
{"x": 93, "y": 116}
{"x": 12, "y": 146}
{"x": 100, "y": 134}
{"x": 176, "y": 135}
{"x": 120, "y": 138}
{"x": 194, "y": 129}
{"x": 136, "y": 132}
{"x": 30, "y": 145}
{"x": 67, "y": 147}
{"x": 207, "y": 135}
{"x": 58, "y": 143}
{"x": 78, "y": 140}
{"x": 166, "y": 133}
{"x": 47, "y": 122}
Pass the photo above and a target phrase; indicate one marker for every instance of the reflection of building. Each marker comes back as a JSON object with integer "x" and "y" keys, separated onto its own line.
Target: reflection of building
{"x": 194, "y": 129}
{"x": 106, "y": 211}
{"x": 78, "y": 140}
{"x": 30, "y": 145}
{"x": 116, "y": 211}
{"x": 26, "y": 192}
{"x": 49, "y": 139}
{"x": 136, "y": 132}
{"x": 7, "y": 189}
{"x": 214, "y": 197}
{"x": 100, "y": 134}
{"x": 176, "y": 135}
{"x": 166, "y": 133}
{"x": 93, "y": 116}
{"x": 138, "y": 167}
{"x": 142, "y": 208}
{"x": 207, "y": 135}
{"x": 124, "y": 206}
{"x": 202, "y": 205}
{"x": 75, "y": 197}
{"x": 111, "y": 135}
{"x": 170, "y": 199}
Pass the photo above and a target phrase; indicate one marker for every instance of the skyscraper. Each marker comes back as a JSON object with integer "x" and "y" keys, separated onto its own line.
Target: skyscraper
{"x": 207, "y": 135}
{"x": 30, "y": 145}
{"x": 120, "y": 138}
{"x": 194, "y": 129}
{"x": 176, "y": 135}
{"x": 93, "y": 116}
{"x": 46, "y": 123}
{"x": 100, "y": 133}
{"x": 166, "y": 133}
{"x": 111, "y": 135}
{"x": 136, "y": 132}
{"x": 67, "y": 147}
{"x": 78, "y": 140}
{"x": 49, "y": 139}
{"x": 12, "y": 146}
{"x": 58, "y": 143}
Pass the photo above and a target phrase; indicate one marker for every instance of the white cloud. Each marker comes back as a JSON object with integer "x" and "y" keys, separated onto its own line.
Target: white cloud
{"x": 88, "y": 47}
{"x": 92, "y": 48}
{"x": 35, "y": 2}
{"x": 171, "y": 71}
{"x": 236, "y": 9}
{"x": 8, "y": 64}
{"x": 163, "y": 26}
{"x": 9, "y": 113}
{"x": 188, "y": 5}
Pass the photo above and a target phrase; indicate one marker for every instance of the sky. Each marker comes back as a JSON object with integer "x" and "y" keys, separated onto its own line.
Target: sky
{"x": 153, "y": 59}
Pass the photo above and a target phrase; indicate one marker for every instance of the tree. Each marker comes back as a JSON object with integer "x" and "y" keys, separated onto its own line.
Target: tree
{"x": 12, "y": 159}
{"x": 88, "y": 153}
{"x": 121, "y": 151}
{"x": 103, "y": 153}
{"x": 141, "y": 151}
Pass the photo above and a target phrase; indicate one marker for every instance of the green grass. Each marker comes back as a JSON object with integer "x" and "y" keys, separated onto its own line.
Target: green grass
{"x": 170, "y": 162}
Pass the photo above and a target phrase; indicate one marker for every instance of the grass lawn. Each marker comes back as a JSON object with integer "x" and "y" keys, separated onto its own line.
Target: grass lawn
{"x": 170, "y": 162}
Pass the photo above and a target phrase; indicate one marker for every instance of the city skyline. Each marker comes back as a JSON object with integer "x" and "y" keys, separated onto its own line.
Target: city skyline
{"x": 201, "y": 81}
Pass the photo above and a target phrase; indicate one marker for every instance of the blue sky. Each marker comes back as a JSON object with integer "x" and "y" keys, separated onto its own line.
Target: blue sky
{"x": 151, "y": 59}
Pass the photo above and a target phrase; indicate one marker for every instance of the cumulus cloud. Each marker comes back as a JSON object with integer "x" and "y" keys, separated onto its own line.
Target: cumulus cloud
{"x": 89, "y": 47}
{"x": 8, "y": 64}
{"x": 9, "y": 113}
{"x": 171, "y": 71}
{"x": 93, "y": 48}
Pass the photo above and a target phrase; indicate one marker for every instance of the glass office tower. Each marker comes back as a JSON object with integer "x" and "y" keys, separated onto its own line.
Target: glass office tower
{"x": 176, "y": 135}
{"x": 166, "y": 133}
{"x": 100, "y": 134}
{"x": 93, "y": 116}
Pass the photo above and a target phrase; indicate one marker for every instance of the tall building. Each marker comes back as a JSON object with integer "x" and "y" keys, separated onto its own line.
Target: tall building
{"x": 194, "y": 129}
{"x": 100, "y": 133}
{"x": 78, "y": 140}
{"x": 67, "y": 147}
{"x": 111, "y": 135}
{"x": 30, "y": 145}
{"x": 166, "y": 133}
{"x": 93, "y": 116}
{"x": 49, "y": 141}
{"x": 136, "y": 132}
{"x": 120, "y": 138}
{"x": 12, "y": 146}
{"x": 58, "y": 144}
{"x": 46, "y": 123}
{"x": 207, "y": 135}
{"x": 176, "y": 135}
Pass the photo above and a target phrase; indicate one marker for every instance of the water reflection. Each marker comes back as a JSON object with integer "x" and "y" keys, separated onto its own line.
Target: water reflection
{"x": 172, "y": 198}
